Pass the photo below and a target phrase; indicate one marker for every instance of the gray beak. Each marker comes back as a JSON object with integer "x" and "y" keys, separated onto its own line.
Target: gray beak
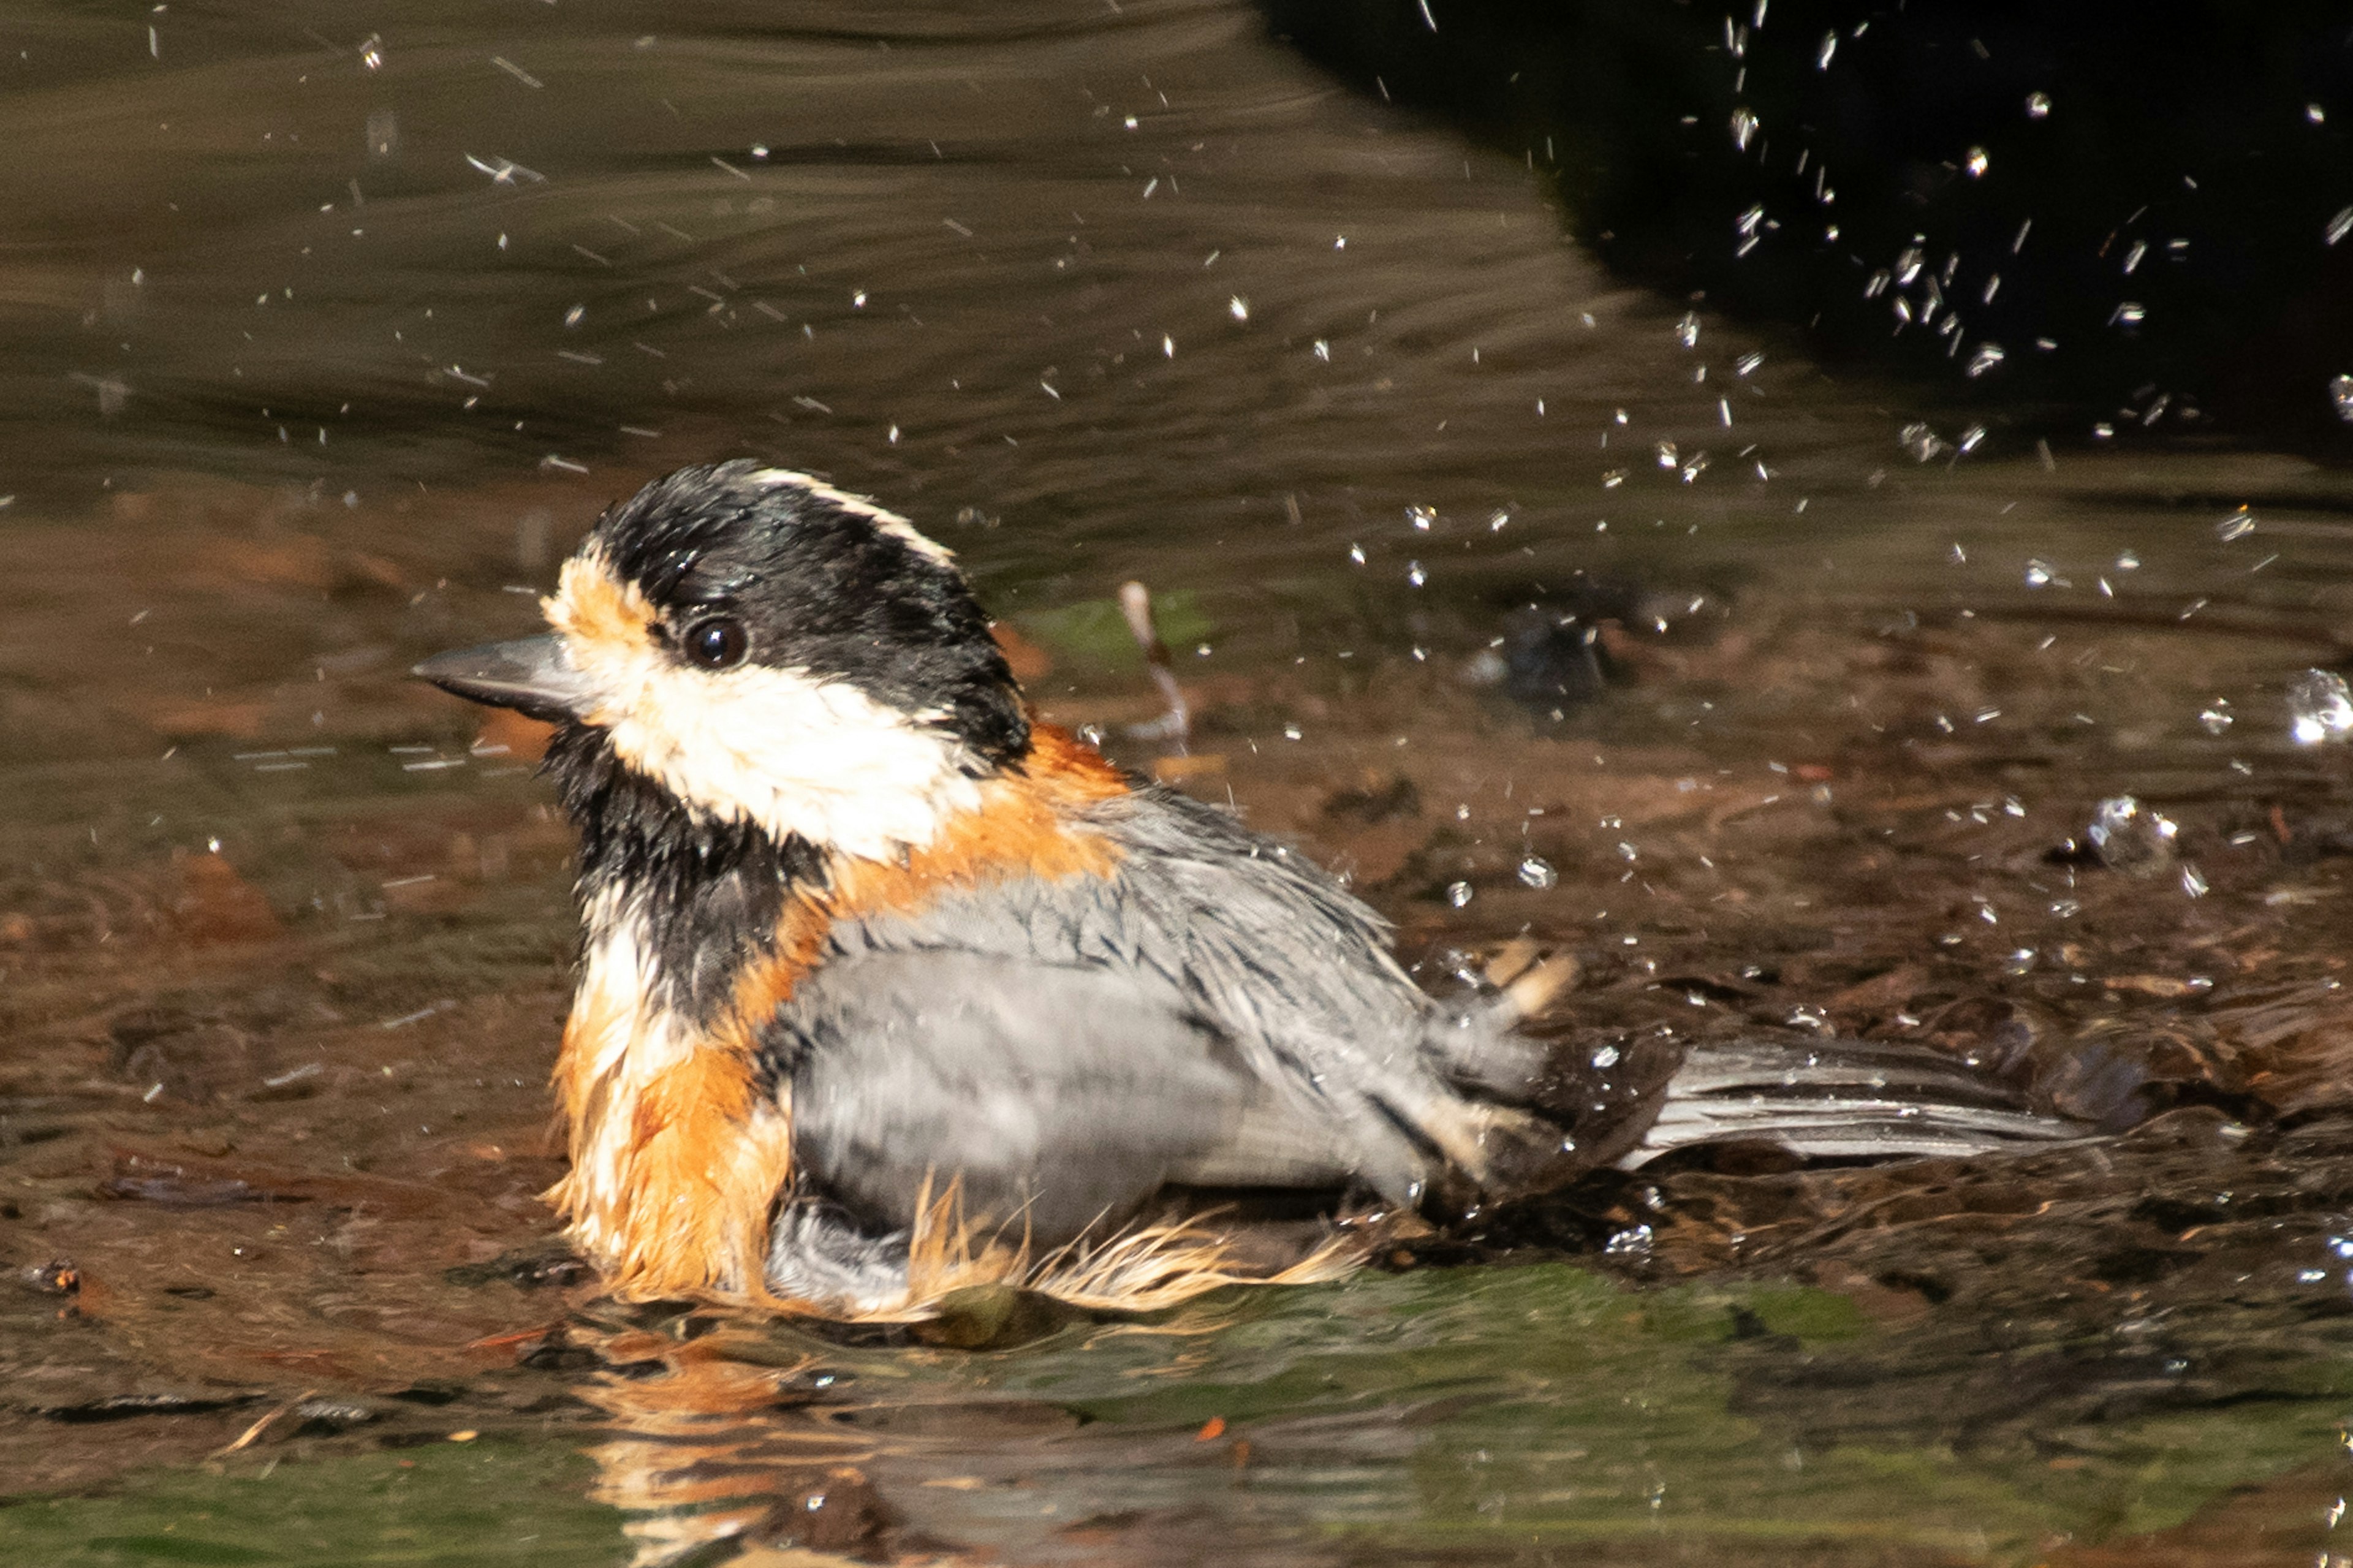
{"x": 530, "y": 675}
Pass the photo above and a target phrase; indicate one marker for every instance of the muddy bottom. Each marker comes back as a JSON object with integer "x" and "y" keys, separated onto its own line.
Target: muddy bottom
{"x": 274, "y": 1119}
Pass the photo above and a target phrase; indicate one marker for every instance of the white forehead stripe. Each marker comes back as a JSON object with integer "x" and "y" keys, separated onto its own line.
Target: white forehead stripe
{"x": 883, "y": 519}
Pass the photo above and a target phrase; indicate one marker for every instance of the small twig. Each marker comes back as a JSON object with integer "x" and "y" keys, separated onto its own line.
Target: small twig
{"x": 1175, "y": 725}
{"x": 252, "y": 1433}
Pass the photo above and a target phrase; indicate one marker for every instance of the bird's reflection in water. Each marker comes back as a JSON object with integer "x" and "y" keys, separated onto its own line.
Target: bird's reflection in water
{"x": 735, "y": 1439}
{"x": 713, "y": 1456}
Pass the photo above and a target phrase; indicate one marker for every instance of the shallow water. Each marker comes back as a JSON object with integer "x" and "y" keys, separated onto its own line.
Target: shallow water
{"x": 283, "y": 937}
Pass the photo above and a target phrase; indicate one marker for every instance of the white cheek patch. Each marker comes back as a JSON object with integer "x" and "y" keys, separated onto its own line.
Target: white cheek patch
{"x": 782, "y": 749}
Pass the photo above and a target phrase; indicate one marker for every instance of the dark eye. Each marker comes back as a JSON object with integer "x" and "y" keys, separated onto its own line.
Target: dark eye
{"x": 717, "y": 644}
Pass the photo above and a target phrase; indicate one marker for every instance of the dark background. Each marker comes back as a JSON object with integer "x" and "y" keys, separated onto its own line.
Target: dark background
{"x": 2192, "y": 161}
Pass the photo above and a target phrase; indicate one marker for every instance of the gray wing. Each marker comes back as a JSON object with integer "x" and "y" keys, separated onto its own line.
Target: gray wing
{"x": 1059, "y": 1095}
{"x": 1351, "y": 1071}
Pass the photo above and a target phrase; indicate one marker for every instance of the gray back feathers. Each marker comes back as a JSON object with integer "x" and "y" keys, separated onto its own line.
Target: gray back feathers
{"x": 1216, "y": 1011}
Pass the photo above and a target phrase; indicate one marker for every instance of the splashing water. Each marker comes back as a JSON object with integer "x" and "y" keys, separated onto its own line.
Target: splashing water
{"x": 2129, "y": 836}
{"x": 2319, "y": 708}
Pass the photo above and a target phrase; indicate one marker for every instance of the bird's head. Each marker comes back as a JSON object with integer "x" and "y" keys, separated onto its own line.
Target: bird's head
{"x": 767, "y": 651}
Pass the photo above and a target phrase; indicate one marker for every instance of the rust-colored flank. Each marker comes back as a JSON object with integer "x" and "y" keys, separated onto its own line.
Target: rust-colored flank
{"x": 707, "y": 1151}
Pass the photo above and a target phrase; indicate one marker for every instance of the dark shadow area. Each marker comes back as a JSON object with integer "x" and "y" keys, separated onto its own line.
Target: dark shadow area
{"x": 2127, "y": 216}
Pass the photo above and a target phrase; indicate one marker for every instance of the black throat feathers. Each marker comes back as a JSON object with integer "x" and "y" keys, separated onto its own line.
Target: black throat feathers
{"x": 708, "y": 895}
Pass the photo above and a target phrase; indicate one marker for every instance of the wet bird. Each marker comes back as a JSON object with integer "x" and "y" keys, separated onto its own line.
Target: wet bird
{"x": 877, "y": 964}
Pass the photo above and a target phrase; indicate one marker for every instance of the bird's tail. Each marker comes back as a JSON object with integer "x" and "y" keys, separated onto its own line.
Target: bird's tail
{"x": 1838, "y": 1099}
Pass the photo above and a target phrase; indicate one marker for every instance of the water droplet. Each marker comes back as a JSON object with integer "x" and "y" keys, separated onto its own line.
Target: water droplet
{"x": 1606, "y": 1058}
{"x": 1687, "y": 331}
{"x": 2237, "y": 526}
{"x": 1976, "y": 162}
{"x": 1634, "y": 1242}
{"x": 1421, "y": 517}
{"x": 2038, "y": 106}
{"x": 1986, "y": 356}
{"x": 1828, "y": 48}
{"x": 1457, "y": 893}
{"x": 1238, "y": 307}
{"x": 1924, "y": 443}
{"x": 1414, "y": 574}
{"x": 2039, "y": 575}
{"x": 2129, "y": 836}
{"x": 2340, "y": 396}
{"x": 1537, "y": 872}
{"x": 2319, "y": 708}
{"x": 2216, "y": 716}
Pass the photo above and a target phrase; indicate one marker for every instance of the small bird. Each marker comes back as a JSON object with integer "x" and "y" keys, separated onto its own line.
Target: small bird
{"x": 876, "y": 962}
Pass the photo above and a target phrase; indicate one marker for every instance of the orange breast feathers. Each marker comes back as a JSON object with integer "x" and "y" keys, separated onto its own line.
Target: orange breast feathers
{"x": 678, "y": 1155}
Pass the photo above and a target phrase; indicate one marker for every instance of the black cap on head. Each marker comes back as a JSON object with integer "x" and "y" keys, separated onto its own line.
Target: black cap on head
{"x": 745, "y": 562}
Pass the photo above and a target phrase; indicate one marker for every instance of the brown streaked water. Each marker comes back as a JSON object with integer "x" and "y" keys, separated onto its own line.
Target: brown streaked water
{"x": 283, "y": 937}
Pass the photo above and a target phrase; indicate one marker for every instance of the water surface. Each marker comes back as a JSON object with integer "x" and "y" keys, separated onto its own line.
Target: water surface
{"x": 332, "y": 331}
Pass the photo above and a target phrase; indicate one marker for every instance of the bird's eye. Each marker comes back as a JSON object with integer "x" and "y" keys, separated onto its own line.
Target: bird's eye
{"x": 717, "y": 644}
